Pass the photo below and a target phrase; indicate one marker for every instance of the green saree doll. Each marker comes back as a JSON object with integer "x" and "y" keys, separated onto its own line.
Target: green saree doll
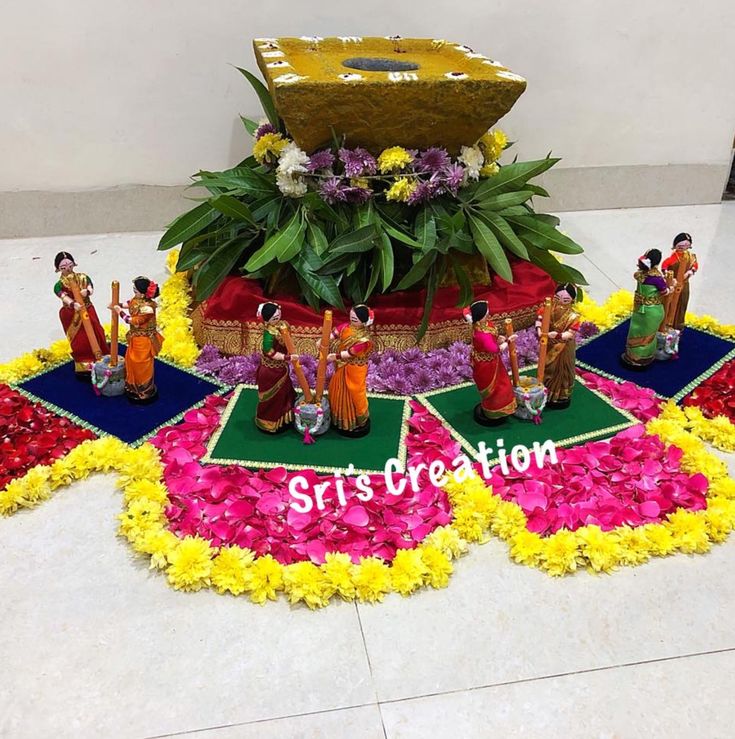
{"x": 648, "y": 311}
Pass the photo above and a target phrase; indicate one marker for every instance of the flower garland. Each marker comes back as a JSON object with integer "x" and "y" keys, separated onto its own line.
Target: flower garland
{"x": 355, "y": 175}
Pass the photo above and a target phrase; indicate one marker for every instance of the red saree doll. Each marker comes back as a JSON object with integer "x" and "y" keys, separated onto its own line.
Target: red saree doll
{"x": 348, "y": 400}
{"x": 70, "y": 315}
{"x": 492, "y": 380}
{"x": 276, "y": 394}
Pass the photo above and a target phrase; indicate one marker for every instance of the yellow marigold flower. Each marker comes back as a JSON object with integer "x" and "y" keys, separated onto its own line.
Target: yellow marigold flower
{"x": 230, "y": 570}
{"x": 501, "y": 140}
{"x": 634, "y": 545}
{"x": 143, "y": 462}
{"x": 157, "y": 542}
{"x": 35, "y": 486}
{"x": 394, "y": 159}
{"x": 153, "y": 491}
{"x": 719, "y": 526}
{"x": 304, "y": 581}
{"x": 723, "y": 507}
{"x": 448, "y": 541}
{"x": 190, "y": 564}
{"x": 438, "y": 567}
{"x": 140, "y": 515}
{"x": 62, "y": 473}
{"x": 602, "y": 549}
{"x": 526, "y": 547}
{"x": 407, "y": 571}
{"x": 266, "y": 578}
{"x": 560, "y": 553}
{"x": 338, "y": 572}
{"x": 468, "y": 524}
{"x": 401, "y": 190}
{"x": 10, "y": 498}
{"x": 268, "y": 148}
{"x": 372, "y": 579}
{"x": 660, "y": 539}
{"x": 689, "y": 531}
{"x": 508, "y": 520}
{"x": 488, "y": 170}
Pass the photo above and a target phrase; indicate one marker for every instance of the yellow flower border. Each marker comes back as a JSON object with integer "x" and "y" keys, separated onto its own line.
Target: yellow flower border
{"x": 191, "y": 563}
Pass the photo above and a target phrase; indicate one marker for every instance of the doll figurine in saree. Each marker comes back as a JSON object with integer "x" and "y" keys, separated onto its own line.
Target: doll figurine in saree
{"x": 562, "y": 346}
{"x": 682, "y": 255}
{"x": 492, "y": 380}
{"x": 78, "y": 316}
{"x": 276, "y": 394}
{"x": 348, "y": 386}
{"x": 648, "y": 311}
{"x": 143, "y": 341}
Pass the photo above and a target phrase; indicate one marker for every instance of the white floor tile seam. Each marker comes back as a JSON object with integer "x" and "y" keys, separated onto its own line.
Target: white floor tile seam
{"x": 271, "y": 719}
{"x": 556, "y": 676}
{"x": 370, "y": 666}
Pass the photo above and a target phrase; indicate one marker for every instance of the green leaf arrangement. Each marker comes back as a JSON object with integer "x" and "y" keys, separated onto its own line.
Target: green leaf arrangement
{"x": 330, "y": 253}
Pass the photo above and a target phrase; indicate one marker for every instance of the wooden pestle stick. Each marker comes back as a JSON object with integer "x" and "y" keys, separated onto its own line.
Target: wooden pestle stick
{"x": 86, "y": 323}
{"x": 115, "y": 324}
{"x": 321, "y": 369}
{"x": 512, "y": 353}
{"x": 545, "y": 321}
{"x": 300, "y": 376}
{"x": 667, "y": 299}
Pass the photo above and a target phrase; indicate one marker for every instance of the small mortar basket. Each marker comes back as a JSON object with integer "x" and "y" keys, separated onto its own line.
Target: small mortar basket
{"x": 106, "y": 380}
{"x": 313, "y": 416}
{"x": 531, "y": 398}
{"x": 667, "y": 344}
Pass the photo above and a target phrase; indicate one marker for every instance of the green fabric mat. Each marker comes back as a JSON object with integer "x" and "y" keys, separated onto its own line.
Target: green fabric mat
{"x": 238, "y": 441}
{"x": 589, "y": 417}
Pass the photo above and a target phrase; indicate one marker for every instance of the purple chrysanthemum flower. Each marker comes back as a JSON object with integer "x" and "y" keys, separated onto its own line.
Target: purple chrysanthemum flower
{"x": 432, "y": 160}
{"x": 263, "y": 129}
{"x": 452, "y": 177}
{"x": 357, "y": 195}
{"x": 323, "y": 159}
{"x": 425, "y": 191}
{"x": 358, "y": 162}
{"x": 333, "y": 190}
{"x": 587, "y": 329}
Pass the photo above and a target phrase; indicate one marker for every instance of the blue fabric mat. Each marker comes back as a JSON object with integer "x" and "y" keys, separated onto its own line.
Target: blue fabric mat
{"x": 177, "y": 392}
{"x": 700, "y": 354}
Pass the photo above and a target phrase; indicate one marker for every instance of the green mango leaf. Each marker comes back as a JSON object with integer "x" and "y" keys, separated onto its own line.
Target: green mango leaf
{"x": 264, "y": 96}
{"x": 233, "y": 208}
{"x": 537, "y": 190}
{"x": 505, "y": 200}
{"x": 323, "y": 286}
{"x": 387, "y": 260}
{"x": 364, "y": 214}
{"x": 197, "y": 250}
{"x": 218, "y": 266}
{"x": 282, "y": 242}
{"x": 490, "y": 248}
{"x": 250, "y": 126}
{"x": 356, "y": 241}
{"x": 546, "y": 218}
{"x": 307, "y": 292}
{"x": 425, "y": 229}
{"x": 512, "y": 177}
{"x": 553, "y": 267}
{"x": 463, "y": 242}
{"x": 344, "y": 263}
{"x": 515, "y": 210}
{"x": 419, "y": 269}
{"x": 503, "y": 230}
{"x": 431, "y": 285}
{"x": 263, "y": 208}
{"x": 317, "y": 238}
{"x": 187, "y": 225}
{"x": 401, "y": 236}
{"x": 466, "y": 292}
{"x": 543, "y": 235}
{"x": 374, "y": 274}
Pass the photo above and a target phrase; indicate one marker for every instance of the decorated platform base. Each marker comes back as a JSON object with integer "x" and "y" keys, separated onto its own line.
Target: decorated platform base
{"x": 531, "y": 396}
{"x": 312, "y": 419}
{"x": 634, "y": 478}
{"x": 667, "y": 345}
{"x": 109, "y": 381}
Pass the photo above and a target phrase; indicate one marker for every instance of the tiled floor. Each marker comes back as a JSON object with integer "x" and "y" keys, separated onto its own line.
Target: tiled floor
{"x": 92, "y": 644}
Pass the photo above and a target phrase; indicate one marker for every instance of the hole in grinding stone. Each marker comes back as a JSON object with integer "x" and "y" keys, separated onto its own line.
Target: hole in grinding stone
{"x": 376, "y": 64}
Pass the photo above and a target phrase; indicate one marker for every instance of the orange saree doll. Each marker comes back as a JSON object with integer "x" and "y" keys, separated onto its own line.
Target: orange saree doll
{"x": 496, "y": 392}
{"x": 70, "y": 314}
{"x": 348, "y": 386}
{"x": 143, "y": 341}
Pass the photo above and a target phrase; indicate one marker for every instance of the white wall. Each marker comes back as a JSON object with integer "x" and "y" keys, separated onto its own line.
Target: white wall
{"x": 97, "y": 93}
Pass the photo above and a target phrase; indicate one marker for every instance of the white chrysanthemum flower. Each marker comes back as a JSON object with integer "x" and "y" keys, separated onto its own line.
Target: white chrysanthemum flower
{"x": 290, "y": 171}
{"x": 472, "y": 159}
